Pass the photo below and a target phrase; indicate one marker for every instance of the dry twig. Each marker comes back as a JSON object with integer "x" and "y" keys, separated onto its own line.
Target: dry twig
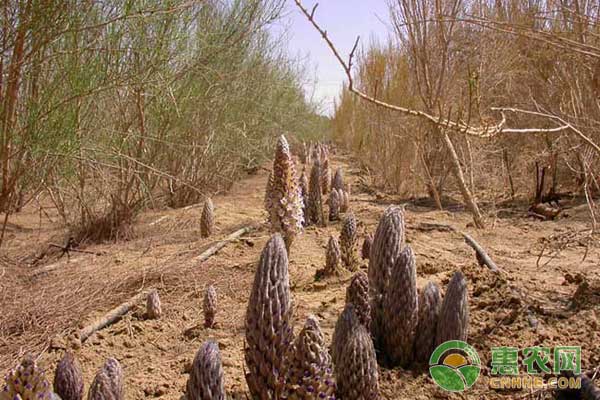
{"x": 485, "y": 131}
{"x": 112, "y": 316}
{"x": 219, "y": 245}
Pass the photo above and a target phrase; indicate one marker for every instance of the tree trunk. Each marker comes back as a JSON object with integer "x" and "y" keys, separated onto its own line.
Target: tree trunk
{"x": 431, "y": 184}
{"x": 460, "y": 179}
{"x": 509, "y": 173}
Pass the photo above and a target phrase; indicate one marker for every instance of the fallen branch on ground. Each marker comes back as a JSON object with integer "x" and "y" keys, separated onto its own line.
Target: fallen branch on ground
{"x": 49, "y": 268}
{"x": 485, "y": 260}
{"x": 112, "y": 316}
{"x": 68, "y": 248}
{"x": 219, "y": 245}
{"x": 544, "y": 212}
{"x": 482, "y": 256}
{"x": 159, "y": 220}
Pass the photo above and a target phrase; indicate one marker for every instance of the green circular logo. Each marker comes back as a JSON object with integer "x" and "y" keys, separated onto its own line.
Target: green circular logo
{"x": 454, "y": 366}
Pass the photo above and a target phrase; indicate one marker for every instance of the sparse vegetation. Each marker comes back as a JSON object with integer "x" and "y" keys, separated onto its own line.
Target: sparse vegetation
{"x": 110, "y": 108}
{"x": 470, "y": 99}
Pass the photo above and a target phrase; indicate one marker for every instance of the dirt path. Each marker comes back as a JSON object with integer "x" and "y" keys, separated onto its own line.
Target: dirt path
{"x": 156, "y": 354}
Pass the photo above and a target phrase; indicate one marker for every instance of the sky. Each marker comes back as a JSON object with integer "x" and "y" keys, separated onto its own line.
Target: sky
{"x": 344, "y": 20}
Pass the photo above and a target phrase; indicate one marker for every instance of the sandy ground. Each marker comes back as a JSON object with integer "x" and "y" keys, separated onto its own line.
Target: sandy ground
{"x": 41, "y": 310}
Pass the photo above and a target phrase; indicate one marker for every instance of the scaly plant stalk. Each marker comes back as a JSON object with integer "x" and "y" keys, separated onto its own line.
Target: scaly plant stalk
{"x": 108, "y": 383}
{"x": 206, "y": 380}
{"x": 310, "y": 373}
{"x": 348, "y": 243}
{"x": 355, "y": 364}
{"x": 207, "y": 220}
{"x": 209, "y": 306}
{"x": 269, "y": 330}
{"x": 315, "y": 197}
{"x": 286, "y": 203}
{"x": 68, "y": 378}
{"x": 388, "y": 242}
{"x": 430, "y": 302}
{"x": 453, "y": 322}
{"x": 357, "y": 293}
{"x": 400, "y": 304}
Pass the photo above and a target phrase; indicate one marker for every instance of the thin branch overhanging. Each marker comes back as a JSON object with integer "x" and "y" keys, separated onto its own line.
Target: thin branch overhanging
{"x": 486, "y": 131}
{"x": 554, "y": 117}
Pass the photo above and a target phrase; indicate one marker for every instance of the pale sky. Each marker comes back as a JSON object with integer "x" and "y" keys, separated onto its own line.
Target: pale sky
{"x": 344, "y": 20}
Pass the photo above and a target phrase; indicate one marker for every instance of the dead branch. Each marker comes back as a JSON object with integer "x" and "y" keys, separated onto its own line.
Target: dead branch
{"x": 159, "y": 220}
{"x": 485, "y": 131}
{"x": 485, "y": 260}
{"x": 548, "y": 38}
{"x": 164, "y": 217}
{"x": 66, "y": 249}
{"x": 482, "y": 255}
{"x": 544, "y": 212}
{"x": 219, "y": 245}
{"x": 428, "y": 227}
{"x": 539, "y": 182}
{"x": 535, "y": 215}
{"x": 565, "y": 124}
{"x": 49, "y": 268}
{"x": 112, "y": 316}
{"x": 469, "y": 200}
